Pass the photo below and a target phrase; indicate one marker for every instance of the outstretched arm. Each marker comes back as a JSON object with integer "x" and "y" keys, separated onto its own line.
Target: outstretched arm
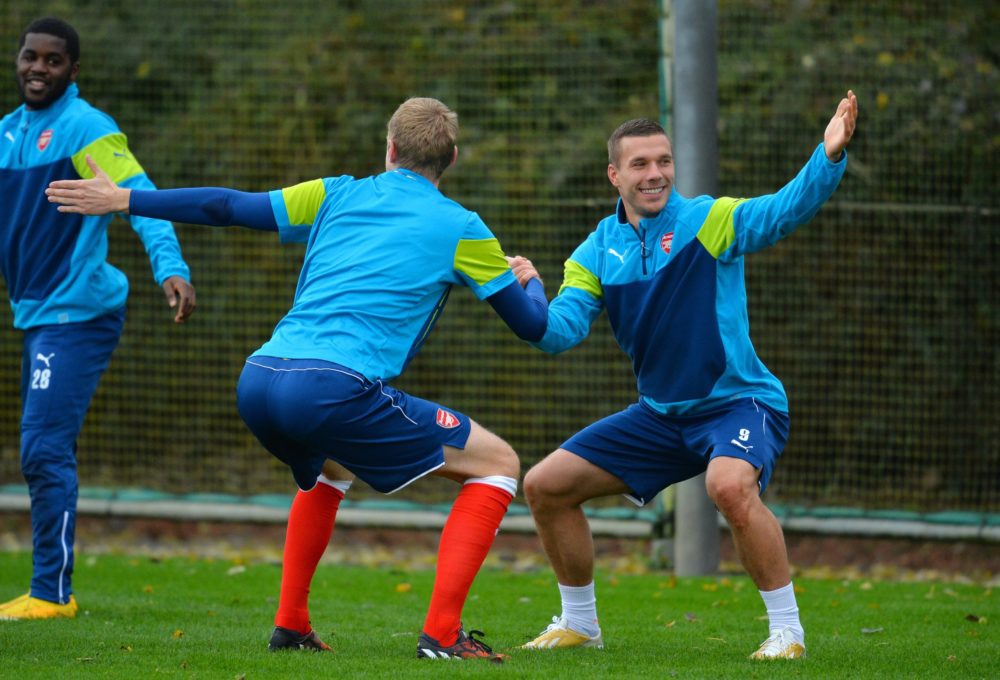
{"x": 759, "y": 222}
{"x": 524, "y": 310}
{"x": 570, "y": 313}
{"x": 522, "y": 304}
{"x": 209, "y": 205}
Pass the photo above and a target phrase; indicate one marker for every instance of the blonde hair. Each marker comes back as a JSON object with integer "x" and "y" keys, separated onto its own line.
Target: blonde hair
{"x": 424, "y": 131}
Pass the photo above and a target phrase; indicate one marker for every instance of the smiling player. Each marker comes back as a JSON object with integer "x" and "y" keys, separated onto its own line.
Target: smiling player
{"x": 669, "y": 272}
{"x": 66, "y": 298}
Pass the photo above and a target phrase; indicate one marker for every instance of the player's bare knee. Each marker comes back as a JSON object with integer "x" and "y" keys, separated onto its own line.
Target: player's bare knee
{"x": 507, "y": 462}
{"x": 538, "y": 489}
{"x": 530, "y": 486}
{"x": 730, "y": 497}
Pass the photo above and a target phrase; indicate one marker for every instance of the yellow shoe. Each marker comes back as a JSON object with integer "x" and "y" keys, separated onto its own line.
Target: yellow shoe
{"x": 16, "y": 600}
{"x": 780, "y": 645}
{"x": 33, "y": 608}
{"x": 559, "y": 634}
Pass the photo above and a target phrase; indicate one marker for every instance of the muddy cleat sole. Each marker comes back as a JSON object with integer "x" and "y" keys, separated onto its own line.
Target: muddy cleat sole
{"x": 781, "y": 644}
{"x": 467, "y": 646}
{"x": 559, "y": 634}
{"x": 31, "y": 608}
{"x": 286, "y": 638}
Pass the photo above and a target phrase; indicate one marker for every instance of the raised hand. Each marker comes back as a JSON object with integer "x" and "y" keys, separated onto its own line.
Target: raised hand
{"x": 97, "y": 196}
{"x": 841, "y": 127}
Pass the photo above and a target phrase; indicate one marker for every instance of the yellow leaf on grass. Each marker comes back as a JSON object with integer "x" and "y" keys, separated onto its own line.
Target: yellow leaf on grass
{"x": 403, "y": 587}
{"x": 178, "y": 634}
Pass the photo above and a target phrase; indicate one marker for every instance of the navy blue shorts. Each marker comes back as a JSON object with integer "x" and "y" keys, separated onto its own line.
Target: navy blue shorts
{"x": 305, "y": 410}
{"x": 650, "y": 451}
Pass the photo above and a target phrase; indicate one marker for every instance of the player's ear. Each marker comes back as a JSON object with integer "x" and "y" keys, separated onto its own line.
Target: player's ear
{"x": 454, "y": 156}
{"x": 391, "y": 153}
{"x": 613, "y": 174}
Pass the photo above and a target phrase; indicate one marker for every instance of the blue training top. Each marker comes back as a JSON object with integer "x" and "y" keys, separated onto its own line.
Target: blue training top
{"x": 382, "y": 254}
{"x": 675, "y": 294}
{"x": 55, "y": 263}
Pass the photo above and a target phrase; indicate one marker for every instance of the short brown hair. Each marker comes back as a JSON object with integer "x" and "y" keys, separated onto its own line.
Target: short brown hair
{"x": 637, "y": 127}
{"x": 425, "y": 131}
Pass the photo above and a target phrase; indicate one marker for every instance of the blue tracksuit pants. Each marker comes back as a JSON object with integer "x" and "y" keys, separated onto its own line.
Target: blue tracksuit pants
{"x": 61, "y": 366}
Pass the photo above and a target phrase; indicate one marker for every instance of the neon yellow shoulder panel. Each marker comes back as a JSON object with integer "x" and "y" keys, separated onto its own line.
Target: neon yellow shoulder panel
{"x": 482, "y": 260}
{"x": 575, "y": 275}
{"x": 302, "y": 201}
{"x": 717, "y": 232}
{"x": 112, "y": 155}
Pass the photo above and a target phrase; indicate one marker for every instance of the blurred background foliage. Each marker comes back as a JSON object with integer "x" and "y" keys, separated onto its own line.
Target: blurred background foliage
{"x": 881, "y": 317}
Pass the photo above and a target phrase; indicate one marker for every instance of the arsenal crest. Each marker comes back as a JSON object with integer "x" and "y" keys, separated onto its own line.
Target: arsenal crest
{"x": 667, "y": 241}
{"x": 446, "y": 420}
{"x": 44, "y": 139}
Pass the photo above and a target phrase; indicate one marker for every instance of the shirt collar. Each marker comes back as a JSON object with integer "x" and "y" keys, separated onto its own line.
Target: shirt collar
{"x": 666, "y": 215}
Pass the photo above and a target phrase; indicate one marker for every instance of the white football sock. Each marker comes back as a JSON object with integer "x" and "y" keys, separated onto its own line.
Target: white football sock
{"x": 579, "y": 608}
{"x": 783, "y": 612}
{"x": 340, "y": 485}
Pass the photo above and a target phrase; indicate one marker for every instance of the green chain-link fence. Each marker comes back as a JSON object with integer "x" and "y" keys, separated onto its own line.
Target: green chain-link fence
{"x": 881, "y": 317}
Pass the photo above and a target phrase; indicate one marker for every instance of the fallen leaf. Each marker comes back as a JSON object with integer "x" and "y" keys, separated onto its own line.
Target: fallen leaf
{"x": 238, "y": 569}
{"x": 403, "y": 587}
{"x": 178, "y": 634}
{"x": 690, "y": 617}
{"x": 147, "y": 589}
{"x": 871, "y": 631}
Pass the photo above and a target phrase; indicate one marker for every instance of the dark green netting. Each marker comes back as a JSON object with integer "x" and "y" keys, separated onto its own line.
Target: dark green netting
{"x": 881, "y": 317}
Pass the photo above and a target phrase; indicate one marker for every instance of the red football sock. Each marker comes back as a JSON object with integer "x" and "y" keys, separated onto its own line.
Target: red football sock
{"x": 310, "y": 525}
{"x": 466, "y": 538}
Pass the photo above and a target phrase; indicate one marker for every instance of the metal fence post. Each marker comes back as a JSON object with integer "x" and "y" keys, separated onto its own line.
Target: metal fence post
{"x": 696, "y": 157}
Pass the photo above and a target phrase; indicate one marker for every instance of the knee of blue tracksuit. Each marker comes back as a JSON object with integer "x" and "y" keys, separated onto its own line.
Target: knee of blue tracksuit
{"x": 42, "y": 458}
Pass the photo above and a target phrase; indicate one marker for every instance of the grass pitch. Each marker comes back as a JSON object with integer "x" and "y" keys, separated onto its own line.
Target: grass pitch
{"x": 198, "y": 618}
